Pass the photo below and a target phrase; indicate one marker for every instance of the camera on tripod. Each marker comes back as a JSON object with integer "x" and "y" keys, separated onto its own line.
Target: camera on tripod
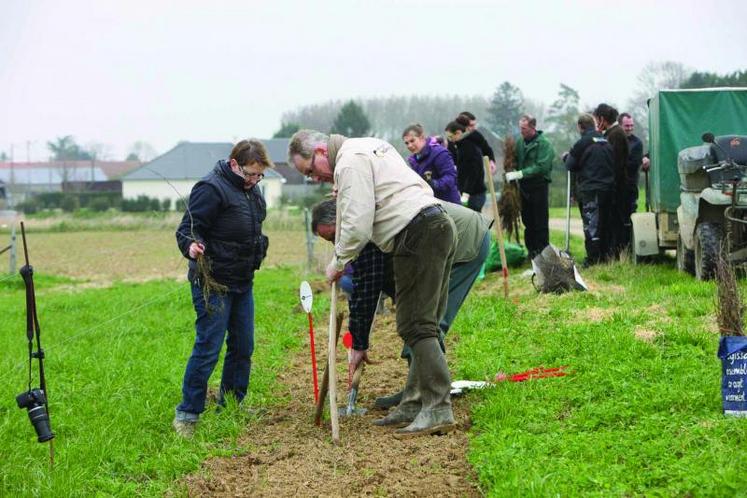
{"x": 36, "y": 403}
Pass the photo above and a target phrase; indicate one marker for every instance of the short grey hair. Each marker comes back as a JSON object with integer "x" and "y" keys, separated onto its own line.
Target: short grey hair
{"x": 324, "y": 213}
{"x": 303, "y": 143}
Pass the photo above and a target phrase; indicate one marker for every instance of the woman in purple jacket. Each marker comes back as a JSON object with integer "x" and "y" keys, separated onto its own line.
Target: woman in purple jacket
{"x": 433, "y": 162}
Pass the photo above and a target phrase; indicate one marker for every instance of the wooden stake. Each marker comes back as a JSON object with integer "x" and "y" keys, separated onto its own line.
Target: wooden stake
{"x": 497, "y": 224}
{"x": 325, "y": 379}
{"x": 332, "y": 359}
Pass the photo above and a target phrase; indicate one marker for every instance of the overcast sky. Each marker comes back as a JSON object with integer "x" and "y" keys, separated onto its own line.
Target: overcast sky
{"x": 114, "y": 72}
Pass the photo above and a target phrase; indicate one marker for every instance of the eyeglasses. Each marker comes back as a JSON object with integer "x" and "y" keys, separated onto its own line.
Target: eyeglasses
{"x": 252, "y": 175}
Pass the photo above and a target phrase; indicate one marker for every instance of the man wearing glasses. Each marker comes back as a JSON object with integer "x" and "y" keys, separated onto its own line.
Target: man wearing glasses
{"x": 380, "y": 199}
{"x": 223, "y": 227}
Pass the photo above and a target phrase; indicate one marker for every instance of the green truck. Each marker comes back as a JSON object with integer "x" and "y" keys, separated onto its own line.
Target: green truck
{"x": 697, "y": 183}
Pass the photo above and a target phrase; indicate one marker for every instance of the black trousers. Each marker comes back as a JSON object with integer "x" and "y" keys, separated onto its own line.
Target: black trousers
{"x": 622, "y": 228}
{"x": 596, "y": 214}
{"x": 535, "y": 216}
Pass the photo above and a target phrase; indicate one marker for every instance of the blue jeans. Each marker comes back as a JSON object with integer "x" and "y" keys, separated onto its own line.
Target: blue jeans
{"x": 346, "y": 284}
{"x": 232, "y": 312}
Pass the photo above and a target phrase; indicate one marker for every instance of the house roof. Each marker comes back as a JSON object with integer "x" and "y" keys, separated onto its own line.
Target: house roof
{"x": 193, "y": 160}
{"x": 50, "y": 176}
{"x": 106, "y": 170}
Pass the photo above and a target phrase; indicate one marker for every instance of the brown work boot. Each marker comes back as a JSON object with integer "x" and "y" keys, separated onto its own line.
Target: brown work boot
{"x": 434, "y": 381}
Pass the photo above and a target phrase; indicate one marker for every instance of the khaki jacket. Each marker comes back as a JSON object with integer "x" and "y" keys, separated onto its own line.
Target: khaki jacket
{"x": 378, "y": 194}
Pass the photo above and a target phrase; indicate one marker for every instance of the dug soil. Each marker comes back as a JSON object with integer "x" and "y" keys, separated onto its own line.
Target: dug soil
{"x": 284, "y": 454}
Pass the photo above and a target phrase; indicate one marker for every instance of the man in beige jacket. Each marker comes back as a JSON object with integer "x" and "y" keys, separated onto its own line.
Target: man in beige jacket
{"x": 381, "y": 200}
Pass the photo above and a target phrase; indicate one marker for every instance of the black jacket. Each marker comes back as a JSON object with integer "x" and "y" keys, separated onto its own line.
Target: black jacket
{"x": 478, "y": 139}
{"x": 470, "y": 170}
{"x": 619, "y": 142}
{"x": 592, "y": 159}
{"x": 228, "y": 220}
{"x": 635, "y": 157}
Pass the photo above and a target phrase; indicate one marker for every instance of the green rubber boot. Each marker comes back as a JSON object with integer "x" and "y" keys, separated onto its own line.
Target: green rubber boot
{"x": 434, "y": 382}
{"x": 409, "y": 405}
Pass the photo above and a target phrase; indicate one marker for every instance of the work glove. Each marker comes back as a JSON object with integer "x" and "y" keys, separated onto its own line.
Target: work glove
{"x": 514, "y": 176}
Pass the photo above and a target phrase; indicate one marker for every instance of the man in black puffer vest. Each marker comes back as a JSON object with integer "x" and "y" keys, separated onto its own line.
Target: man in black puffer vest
{"x": 591, "y": 159}
{"x": 223, "y": 224}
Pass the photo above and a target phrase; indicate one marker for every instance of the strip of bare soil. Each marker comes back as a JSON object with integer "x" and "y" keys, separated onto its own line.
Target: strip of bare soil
{"x": 286, "y": 455}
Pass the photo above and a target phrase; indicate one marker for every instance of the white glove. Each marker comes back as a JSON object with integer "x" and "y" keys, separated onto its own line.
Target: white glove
{"x": 514, "y": 175}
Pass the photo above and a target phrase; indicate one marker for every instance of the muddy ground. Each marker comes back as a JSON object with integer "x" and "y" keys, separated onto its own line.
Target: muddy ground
{"x": 286, "y": 455}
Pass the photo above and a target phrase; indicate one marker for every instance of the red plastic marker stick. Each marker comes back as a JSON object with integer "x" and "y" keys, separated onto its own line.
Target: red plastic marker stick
{"x": 313, "y": 358}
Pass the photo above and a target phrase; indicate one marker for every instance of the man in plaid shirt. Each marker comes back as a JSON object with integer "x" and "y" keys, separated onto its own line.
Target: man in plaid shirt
{"x": 372, "y": 275}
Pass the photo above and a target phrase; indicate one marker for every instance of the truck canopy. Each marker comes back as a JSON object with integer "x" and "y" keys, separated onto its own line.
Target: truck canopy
{"x": 678, "y": 119}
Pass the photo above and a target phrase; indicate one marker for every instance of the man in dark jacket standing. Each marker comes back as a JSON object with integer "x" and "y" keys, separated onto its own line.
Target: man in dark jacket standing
{"x": 606, "y": 117}
{"x": 635, "y": 159}
{"x": 223, "y": 225}
{"x": 591, "y": 159}
{"x": 534, "y": 157}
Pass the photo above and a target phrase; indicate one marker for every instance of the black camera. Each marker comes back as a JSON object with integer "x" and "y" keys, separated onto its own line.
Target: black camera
{"x": 35, "y": 402}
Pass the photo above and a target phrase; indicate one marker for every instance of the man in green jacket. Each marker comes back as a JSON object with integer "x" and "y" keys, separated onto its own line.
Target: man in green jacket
{"x": 534, "y": 156}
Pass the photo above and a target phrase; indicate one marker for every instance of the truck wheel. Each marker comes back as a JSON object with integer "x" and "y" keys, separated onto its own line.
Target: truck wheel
{"x": 685, "y": 257}
{"x": 708, "y": 237}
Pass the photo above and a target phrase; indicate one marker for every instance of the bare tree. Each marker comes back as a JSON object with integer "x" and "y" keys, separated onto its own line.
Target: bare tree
{"x": 653, "y": 77}
{"x": 141, "y": 151}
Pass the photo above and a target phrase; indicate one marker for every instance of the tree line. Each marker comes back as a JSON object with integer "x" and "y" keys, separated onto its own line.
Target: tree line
{"x": 386, "y": 117}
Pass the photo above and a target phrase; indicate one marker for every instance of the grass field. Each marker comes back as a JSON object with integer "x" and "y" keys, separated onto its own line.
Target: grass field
{"x": 640, "y": 414}
{"x": 115, "y": 358}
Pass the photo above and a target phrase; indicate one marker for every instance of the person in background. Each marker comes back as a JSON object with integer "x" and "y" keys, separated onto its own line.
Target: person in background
{"x": 635, "y": 159}
{"x": 432, "y": 162}
{"x": 469, "y": 121}
{"x": 534, "y": 156}
{"x": 606, "y": 117}
{"x": 223, "y": 223}
{"x": 470, "y": 171}
{"x": 380, "y": 199}
{"x": 591, "y": 160}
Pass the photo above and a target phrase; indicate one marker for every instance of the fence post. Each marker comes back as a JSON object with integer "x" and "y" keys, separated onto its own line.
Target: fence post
{"x": 12, "y": 268}
{"x": 309, "y": 240}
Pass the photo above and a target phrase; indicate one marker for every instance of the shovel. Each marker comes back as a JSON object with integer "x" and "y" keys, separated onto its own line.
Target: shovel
{"x": 568, "y": 214}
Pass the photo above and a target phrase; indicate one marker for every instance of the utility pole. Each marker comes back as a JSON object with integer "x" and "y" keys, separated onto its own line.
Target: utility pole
{"x": 12, "y": 268}
{"x": 12, "y": 179}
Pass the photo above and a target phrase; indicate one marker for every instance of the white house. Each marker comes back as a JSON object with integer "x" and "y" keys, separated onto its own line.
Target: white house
{"x": 173, "y": 174}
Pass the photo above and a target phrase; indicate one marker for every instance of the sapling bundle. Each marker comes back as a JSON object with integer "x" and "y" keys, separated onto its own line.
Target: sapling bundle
{"x": 729, "y": 307}
{"x": 509, "y": 206}
{"x": 208, "y": 284}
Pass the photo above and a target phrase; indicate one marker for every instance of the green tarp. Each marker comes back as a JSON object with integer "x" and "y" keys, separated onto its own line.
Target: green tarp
{"x": 678, "y": 119}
